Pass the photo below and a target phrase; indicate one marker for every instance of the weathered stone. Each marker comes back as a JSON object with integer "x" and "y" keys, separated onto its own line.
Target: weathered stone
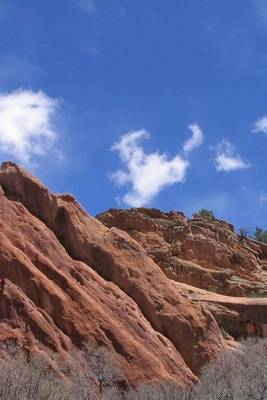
{"x": 69, "y": 279}
{"x": 200, "y": 252}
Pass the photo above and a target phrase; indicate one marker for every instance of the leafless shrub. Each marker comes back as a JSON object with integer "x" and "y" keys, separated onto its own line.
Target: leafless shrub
{"x": 243, "y": 233}
{"x": 235, "y": 375}
{"x": 158, "y": 392}
{"x": 28, "y": 377}
{"x": 97, "y": 376}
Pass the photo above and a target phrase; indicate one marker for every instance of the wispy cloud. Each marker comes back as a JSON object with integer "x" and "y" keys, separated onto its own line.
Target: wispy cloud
{"x": 227, "y": 159}
{"x": 263, "y": 198}
{"x": 260, "y": 125}
{"x": 26, "y": 124}
{"x": 196, "y": 139}
{"x": 87, "y": 5}
{"x": 148, "y": 174}
{"x": 91, "y": 51}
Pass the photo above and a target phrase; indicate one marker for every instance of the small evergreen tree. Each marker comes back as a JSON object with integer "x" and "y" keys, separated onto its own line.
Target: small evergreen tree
{"x": 260, "y": 235}
{"x": 204, "y": 213}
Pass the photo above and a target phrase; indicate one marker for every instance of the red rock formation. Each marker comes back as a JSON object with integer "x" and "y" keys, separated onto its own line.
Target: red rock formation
{"x": 204, "y": 253}
{"x": 68, "y": 279}
{"x": 143, "y": 283}
{"x": 238, "y": 316}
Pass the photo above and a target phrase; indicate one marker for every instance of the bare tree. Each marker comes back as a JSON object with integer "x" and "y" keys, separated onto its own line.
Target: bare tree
{"x": 96, "y": 375}
{"x": 30, "y": 378}
{"x": 167, "y": 391}
{"x": 235, "y": 375}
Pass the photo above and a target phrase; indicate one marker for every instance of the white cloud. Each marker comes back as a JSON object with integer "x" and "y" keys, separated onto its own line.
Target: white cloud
{"x": 26, "y": 128}
{"x": 261, "y": 125}
{"x": 226, "y": 158}
{"x": 87, "y": 5}
{"x": 149, "y": 173}
{"x": 195, "y": 140}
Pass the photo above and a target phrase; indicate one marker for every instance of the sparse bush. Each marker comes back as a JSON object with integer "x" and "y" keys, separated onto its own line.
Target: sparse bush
{"x": 243, "y": 233}
{"x": 204, "y": 213}
{"x": 260, "y": 235}
{"x": 28, "y": 377}
{"x": 235, "y": 375}
{"x": 158, "y": 392}
{"x": 96, "y": 376}
{"x": 239, "y": 374}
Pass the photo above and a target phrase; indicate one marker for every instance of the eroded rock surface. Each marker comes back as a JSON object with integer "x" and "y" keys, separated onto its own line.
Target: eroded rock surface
{"x": 200, "y": 252}
{"x": 239, "y": 317}
{"x": 208, "y": 262}
{"x": 68, "y": 279}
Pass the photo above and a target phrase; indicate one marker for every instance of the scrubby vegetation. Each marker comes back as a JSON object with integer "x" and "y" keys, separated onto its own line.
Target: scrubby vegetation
{"x": 28, "y": 377}
{"x": 260, "y": 235}
{"x": 235, "y": 375}
{"x": 204, "y": 213}
{"x": 243, "y": 233}
{"x": 92, "y": 376}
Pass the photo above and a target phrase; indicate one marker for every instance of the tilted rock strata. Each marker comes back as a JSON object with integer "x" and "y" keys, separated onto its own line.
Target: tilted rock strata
{"x": 200, "y": 252}
{"x": 51, "y": 301}
{"x": 239, "y": 317}
{"x": 69, "y": 279}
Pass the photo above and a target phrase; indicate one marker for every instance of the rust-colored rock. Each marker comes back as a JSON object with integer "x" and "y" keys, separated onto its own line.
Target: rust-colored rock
{"x": 68, "y": 279}
{"x": 239, "y": 317}
{"x": 204, "y": 253}
{"x": 205, "y": 259}
{"x": 156, "y": 288}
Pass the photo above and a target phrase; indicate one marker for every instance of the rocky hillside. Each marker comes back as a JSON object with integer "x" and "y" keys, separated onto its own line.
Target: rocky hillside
{"x": 142, "y": 283}
{"x": 207, "y": 261}
{"x": 201, "y": 252}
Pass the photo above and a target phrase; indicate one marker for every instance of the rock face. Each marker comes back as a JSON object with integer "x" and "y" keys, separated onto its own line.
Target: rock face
{"x": 200, "y": 252}
{"x": 67, "y": 279}
{"x": 157, "y": 289}
{"x": 238, "y": 317}
{"x": 207, "y": 261}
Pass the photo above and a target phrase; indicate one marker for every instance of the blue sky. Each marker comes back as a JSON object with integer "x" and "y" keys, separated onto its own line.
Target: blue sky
{"x": 153, "y": 103}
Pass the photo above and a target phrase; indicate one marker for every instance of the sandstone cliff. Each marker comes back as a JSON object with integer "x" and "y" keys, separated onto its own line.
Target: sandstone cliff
{"x": 200, "y": 252}
{"x": 210, "y": 263}
{"x": 67, "y": 278}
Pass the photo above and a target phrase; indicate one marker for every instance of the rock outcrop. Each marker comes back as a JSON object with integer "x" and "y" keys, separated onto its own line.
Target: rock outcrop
{"x": 200, "y": 252}
{"x": 67, "y": 279}
{"x": 209, "y": 263}
{"x": 238, "y": 317}
{"x": 157, "y": 289}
